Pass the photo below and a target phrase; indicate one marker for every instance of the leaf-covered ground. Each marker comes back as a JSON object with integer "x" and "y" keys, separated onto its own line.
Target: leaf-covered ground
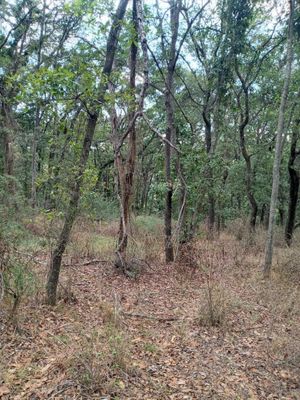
{"x": 110, "y": 337}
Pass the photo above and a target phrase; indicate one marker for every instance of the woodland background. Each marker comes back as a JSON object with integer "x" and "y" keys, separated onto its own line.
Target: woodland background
{"x": 149, "y": 178}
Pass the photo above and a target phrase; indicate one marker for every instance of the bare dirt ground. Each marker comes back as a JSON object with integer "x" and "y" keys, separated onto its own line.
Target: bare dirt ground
{"x": 110, "y": 337}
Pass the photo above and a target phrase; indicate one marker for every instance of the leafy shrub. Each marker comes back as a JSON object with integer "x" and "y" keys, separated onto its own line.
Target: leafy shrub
{"x": 19, "y": 281}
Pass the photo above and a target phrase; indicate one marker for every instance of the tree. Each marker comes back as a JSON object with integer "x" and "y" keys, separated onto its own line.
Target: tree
{"x": 15, "y": 51}
{"x": 125, "y": 165}
{"x": 294, "y": 177}
{"x": 279, "y": 144}
{"x": 92, "y": 117}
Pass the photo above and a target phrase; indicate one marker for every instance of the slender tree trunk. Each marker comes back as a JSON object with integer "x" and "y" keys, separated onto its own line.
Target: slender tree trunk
{"x": 56, "y": 258}
{"x": 126, "y": 169}
{"x": 262, "y": 214}
{"x": 7, "y": 126}
{"x": 169, "y": 252}
{"x": 244, "y": 121}
{"x": 250, "y": 195}
{"x": 34, "y": 160}
{"x": 278, "y": 147}
{"x": 175, "y": 6}
{"x": 36, "y": 131}
{"x": 211, "y": 217}
{"x": 294, "y": 175}
{"x": 281, "y": 216}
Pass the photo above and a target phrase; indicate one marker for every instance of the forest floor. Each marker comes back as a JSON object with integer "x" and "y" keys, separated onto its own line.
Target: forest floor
{"x": 111, "y": 337}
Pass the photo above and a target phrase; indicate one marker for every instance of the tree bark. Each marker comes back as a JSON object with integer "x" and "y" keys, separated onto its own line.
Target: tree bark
{"x": 211, "y": 217}
{"x": 175, "y": 7}
{"x": 37, "y": 119}
{"x": 278, "y": 147}
{"x": 126, "y": 169}
{"x": 34, "y": 157}
{"x": 7, "y": 127}
{"x": 244, "y": 121}
{"x": 294, "y": 176}
{"x": 56, "y": 258}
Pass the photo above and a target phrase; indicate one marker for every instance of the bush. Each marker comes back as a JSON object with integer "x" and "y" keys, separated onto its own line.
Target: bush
{"x": 213, "y": 310}
{"x": 17, "y": 278}
{"x": 19, "y": 281}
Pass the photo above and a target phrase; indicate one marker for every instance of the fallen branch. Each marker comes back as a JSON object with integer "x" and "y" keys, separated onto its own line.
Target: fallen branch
{"x": 160, "y": 319}
{"x": 88, "y": 262}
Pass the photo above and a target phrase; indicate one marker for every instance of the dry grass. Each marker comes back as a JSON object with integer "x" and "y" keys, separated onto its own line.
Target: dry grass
{"x": 214, "y": 306}
{"x": 90, "y": 241}
{"x": 287, "y": 265}
{"x": 226, "y": 312}
{"x": 100, "y": 363}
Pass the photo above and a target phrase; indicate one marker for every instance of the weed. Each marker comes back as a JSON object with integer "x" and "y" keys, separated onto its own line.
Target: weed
{"x": 213, "y": 310}
{"x": 150, "y": 348}
{"x": 215, "y": 303}
{"x": 19, "y": 280}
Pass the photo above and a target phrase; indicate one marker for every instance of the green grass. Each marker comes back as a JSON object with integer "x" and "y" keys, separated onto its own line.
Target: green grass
{"x": 102, "y": 244}
{"x": 149, "y": 223}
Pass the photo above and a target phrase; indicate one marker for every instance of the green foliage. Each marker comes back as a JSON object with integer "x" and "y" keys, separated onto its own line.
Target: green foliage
{"x": 148, "y": 223}
{"x": 19, "y": 279}
{"x": 96, "y": 206}
{"x": 51, "y": 72}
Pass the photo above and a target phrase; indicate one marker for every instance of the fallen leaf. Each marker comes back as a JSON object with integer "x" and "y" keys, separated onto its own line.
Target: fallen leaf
{"x": 4, "y": 390}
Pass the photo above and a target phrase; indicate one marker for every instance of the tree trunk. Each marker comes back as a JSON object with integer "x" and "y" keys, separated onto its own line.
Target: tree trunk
{"x": 126, "y": 170}
{"x": 7, "y": 126}
{"x": 278, "y": 147}
{"x": 244, "y": 121}
{"x": 175, "y": 7}
{"x": 294, "y": 185}
{"x": 56, "y": 258}
{"x": 262, "y": 213}
{"x": 169, "y": 252}
{"x": 34, "y": 160}
{"x": 37, "y": 115}
{"x": 211, "y": 217}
